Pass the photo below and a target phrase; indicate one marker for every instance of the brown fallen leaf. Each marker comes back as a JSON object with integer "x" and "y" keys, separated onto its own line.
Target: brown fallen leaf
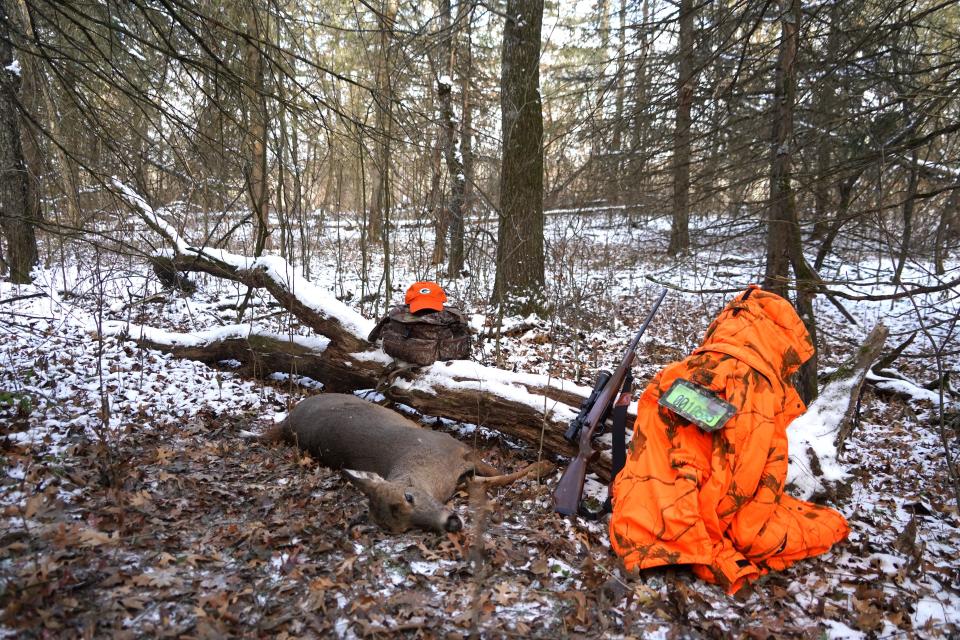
{"x": 92, "y": 538}
{"x": 164, "y": 455}
{"x": 133, "y": 603}
{"x": 540, "y": 566}
{"x": 159, "y": 579}
{"x": 504, "y": 593}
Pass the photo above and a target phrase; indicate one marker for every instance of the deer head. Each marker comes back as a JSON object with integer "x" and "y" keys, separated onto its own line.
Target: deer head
{"x": 397, "y": 506}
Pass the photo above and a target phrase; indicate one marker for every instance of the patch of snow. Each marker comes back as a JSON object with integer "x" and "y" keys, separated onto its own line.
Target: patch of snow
{"x": 302, "y": 381}
{"x": 372, "y": 355}
{"x": 886, "y": 563}
{"x": 465, "y": 374}
{"x": 424, "y": 568}
{"x": 206, "y": 336}
{"x": 836, "y": 630}
{"x": 904, "y": 387}
{"x": 811, "y": 431}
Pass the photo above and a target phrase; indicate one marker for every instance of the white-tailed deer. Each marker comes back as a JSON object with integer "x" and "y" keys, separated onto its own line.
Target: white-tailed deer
{"x": 406, "y": 471}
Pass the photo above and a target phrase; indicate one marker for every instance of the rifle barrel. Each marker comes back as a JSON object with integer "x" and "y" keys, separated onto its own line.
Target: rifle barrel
{"x": 569, "y": 490}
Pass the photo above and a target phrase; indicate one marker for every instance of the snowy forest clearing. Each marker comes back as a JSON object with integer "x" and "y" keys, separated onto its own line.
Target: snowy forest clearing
{"x": 133, "y": 506}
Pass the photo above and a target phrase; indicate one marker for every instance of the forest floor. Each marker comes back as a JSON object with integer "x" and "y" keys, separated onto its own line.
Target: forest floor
{"x": 131, "y": 505}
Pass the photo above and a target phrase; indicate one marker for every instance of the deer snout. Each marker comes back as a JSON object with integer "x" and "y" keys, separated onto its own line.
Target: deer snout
{"x": 453, "y": 524}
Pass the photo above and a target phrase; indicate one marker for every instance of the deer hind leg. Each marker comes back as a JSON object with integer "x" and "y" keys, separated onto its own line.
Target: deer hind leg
{"x": 537, "y": 469}
{"x": 479, "y": 467}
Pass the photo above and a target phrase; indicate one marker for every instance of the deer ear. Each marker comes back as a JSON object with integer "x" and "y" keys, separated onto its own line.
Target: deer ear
{"x": 366, "y": 481}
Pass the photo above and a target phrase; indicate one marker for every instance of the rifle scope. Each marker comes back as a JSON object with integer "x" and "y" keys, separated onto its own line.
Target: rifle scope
{"x": 572, "y": 434}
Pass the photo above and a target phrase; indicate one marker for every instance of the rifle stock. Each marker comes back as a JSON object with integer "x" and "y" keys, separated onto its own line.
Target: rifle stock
{"x": 567, "y": 495}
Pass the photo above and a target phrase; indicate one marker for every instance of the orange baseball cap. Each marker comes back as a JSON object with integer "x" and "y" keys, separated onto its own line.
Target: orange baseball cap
{"x": 425, "y": 295}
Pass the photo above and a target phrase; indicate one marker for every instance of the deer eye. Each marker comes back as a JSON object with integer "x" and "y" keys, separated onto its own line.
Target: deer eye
{"x": 408, "y": 496}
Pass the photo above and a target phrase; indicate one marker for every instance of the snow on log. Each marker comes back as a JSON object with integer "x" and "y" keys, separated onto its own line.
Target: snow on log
{"x": 314, "y": 307}
{"x": 817, "y": 437}
{"x": 535, "y": 409}
{"x": 527, "y": 407}
{"x": 532, "y": 408}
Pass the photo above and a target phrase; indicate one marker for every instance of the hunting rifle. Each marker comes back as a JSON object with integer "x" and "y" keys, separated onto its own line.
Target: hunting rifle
{"x": 589, "y": 422}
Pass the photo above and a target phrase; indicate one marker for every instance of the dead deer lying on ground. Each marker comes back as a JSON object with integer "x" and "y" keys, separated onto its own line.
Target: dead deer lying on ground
{"x": 406, "y": 471}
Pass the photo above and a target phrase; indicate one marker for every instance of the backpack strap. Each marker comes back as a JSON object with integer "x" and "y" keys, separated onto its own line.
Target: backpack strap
{"x": 378, "y": 329}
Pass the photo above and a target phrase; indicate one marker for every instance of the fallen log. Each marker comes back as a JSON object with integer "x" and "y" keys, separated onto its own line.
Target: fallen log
{"x": 818, "y": 436}
{"x": 849, "y": 378}
{"x": 526, "y": 407}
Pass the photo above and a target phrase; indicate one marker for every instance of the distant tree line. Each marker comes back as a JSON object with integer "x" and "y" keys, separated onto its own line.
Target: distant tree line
{"x": 817, "y": 125}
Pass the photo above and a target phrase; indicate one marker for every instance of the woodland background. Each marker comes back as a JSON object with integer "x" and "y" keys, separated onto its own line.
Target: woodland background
{"x": 548, "y": 163}
{"x": 809, "y": 124}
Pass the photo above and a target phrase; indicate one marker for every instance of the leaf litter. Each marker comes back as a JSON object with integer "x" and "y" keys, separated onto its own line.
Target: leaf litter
{"x": 152, "y": 514}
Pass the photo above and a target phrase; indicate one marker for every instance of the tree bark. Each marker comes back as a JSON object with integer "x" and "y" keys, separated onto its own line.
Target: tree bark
{"x": 948, "y": 219}
{"x": 619, "y": 122}
{"x": 380, "y": 207}
{"x": 16, "y": 220}
{"x": 825, "y": 116}
{"x": 686, "y": 81}
{"x": 437, "y": 206}
{"x": 908, "y": 203}
{"x": 845, "y": 195}
{"x": 782, "y": 208}
{"x": 784, "y": 243}
{"x": 454, "y": 212}
{"x": 383, "y": 190}
{"x": 518, "y": 286}
{"x": 255, "y": 167}
{"x": 464, "y": 65}
{"x": 640, "y": 125}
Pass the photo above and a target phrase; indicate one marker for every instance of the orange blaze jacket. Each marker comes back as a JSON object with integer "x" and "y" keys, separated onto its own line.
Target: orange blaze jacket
{"x": 716, "y": 500}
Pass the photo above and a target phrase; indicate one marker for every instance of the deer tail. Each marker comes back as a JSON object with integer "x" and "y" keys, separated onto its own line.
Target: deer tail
{"x": 277, "y": 433}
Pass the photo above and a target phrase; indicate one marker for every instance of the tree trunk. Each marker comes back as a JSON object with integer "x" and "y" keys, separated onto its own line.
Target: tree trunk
{"x": 825, "y": 116}
{"x": 255, "y": 169}
{"x": 464, "y": 64}
{"x": 845, "y": 195}
{"x": 686, "y": 81}
{"x": 849, "y": 378}
{"x": 640, "y": 124}
{"x": 784, "y": 243}
{"x": 437, "y": 205}
{"x": 454, "y": 213}
{"x": 618, "y": 117}
{"x": 948, "y": 219}
{"x": 519, "y": 281}
{"x": 16, "y": 220}
{"x": 782, "y": 224}
{"x": 380, "y": 205}
{"x": 383, "y": 203}
{"x": 782, "y": 208}
{"x": 908, "y": 204}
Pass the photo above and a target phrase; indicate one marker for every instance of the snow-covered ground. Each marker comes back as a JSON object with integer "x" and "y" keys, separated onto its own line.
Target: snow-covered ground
{"x": 132, "y": 504}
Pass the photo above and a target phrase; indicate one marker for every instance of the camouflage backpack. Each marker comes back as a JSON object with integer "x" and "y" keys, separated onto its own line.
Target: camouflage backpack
{"x": 423, "y": 338}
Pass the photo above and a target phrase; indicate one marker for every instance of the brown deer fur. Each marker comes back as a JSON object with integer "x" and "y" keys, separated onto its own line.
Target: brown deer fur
{"x": 407, "y": 472}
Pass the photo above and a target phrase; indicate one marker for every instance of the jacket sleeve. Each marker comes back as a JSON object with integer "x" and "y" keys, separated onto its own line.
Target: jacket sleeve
{"x": 758, "y": 464}
{"x": 661, "y": 513}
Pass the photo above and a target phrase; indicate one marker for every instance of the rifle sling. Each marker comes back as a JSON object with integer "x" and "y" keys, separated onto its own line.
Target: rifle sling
{"x": 618, "y": 453}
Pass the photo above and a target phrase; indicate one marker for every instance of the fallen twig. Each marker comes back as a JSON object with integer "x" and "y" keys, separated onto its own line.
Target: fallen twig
{"x": 26, "y": 297}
